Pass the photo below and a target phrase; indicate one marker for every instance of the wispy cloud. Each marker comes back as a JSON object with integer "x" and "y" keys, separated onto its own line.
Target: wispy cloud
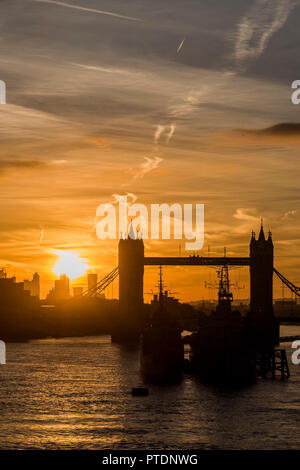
{"x": 160, "y": 130}
{"x": 150, "y": 163}
{"x": 30, "y": 121}
{"x": 99, "y": 142}
{"x": 131, "y": 198}
{"x": 289, "y": 213}
{"x": 153, "y": 159}
{"x": 91, "y": 10}
{"x": 281, "y": 129}
{"x": 41, "y": 235}
{"x": 97, "y": 68}
{"x": 246, "y": 215}
{"x": 256, "y": 28}
{"x": 59, "y": 162}
{"x": 20, "y": 164}
{"x": 247, "y": 220}
{"x": 170, "y": 133}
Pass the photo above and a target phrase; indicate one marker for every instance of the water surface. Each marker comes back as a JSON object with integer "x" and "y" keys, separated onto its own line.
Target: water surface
{"x": 74, "y": 393}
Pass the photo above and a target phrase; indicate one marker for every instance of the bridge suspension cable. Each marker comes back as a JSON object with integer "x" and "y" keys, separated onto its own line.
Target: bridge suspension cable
{"x": 109, "y": 278}
{"x": 103, "y": 284}
{"x": 295, "y": 289}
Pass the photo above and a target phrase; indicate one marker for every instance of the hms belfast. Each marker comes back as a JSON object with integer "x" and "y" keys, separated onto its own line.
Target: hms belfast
{"x": 221, "y": 348}
{"x": 226, "y": 346}
{"x": 162, "y": 349}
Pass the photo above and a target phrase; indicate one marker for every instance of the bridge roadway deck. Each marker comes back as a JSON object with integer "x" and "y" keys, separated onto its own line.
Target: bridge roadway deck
{"x": 289, "y": 339}
{"x": 196, "y": 261}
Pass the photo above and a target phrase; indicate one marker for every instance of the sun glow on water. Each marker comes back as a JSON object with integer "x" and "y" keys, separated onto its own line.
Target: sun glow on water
{"x": 70, "y": 264}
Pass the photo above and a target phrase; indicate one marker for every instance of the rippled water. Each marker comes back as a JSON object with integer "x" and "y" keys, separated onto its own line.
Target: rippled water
{"x": 75, "y": 393}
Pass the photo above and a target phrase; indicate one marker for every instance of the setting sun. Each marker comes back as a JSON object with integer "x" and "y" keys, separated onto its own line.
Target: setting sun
{"x": 70, "y": 264}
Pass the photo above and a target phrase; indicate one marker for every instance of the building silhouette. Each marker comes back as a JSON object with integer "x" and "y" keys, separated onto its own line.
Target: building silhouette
{"x": 33, "y": 286}
{"x": 92, "y": 280}
{"x": 61, "y": 289}
{"x": 13, "y": 292}
{"x": 77, "y": 291}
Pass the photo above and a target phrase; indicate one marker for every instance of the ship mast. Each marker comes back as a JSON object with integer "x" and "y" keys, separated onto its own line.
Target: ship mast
{"x": 225, "y": 297}
{"x": 161, "y": 287}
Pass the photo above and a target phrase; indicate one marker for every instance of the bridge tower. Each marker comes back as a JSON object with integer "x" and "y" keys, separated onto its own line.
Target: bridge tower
{"x": 261, "y": 290}
{"x": 131, "y": 274}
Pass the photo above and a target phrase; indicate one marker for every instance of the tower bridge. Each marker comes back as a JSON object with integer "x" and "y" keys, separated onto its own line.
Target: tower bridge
{"x": 132, "y": 261}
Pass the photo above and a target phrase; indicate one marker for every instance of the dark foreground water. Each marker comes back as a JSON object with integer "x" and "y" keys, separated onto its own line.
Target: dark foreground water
{"x": 75, "y": 393}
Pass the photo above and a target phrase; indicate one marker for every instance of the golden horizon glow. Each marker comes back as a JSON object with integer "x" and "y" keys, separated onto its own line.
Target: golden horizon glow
{"x": 70, "y": 264}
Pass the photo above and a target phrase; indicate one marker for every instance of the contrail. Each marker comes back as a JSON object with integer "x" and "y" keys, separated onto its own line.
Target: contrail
{"x": 96, "y": 68}
{"x": 92, "y": 10}
{"x": 180, "y": 46}
{"x": 42, "y": 235}
{"x": 256, "y": 28}
{"x": 170, "y": 133}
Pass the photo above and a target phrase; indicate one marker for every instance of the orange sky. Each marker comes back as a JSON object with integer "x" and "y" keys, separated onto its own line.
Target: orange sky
{"x": 91, "y": 103}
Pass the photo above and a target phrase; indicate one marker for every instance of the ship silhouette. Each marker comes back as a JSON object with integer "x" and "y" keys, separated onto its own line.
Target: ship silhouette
{"x": 220, "y": 348}
{"x": 162, "y": 349}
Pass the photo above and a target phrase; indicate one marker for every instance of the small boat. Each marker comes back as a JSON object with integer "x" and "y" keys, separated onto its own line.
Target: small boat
{"x": 140, "y": 391}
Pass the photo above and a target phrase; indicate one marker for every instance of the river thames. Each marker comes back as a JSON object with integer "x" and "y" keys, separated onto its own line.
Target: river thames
{"x": 74, "y": 393}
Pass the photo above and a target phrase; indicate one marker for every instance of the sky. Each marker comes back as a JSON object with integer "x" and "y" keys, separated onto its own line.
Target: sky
{"x": 175, "y": 101}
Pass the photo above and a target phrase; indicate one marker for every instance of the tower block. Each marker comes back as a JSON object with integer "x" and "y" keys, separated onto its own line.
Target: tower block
{"x": 261, "y": 290}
